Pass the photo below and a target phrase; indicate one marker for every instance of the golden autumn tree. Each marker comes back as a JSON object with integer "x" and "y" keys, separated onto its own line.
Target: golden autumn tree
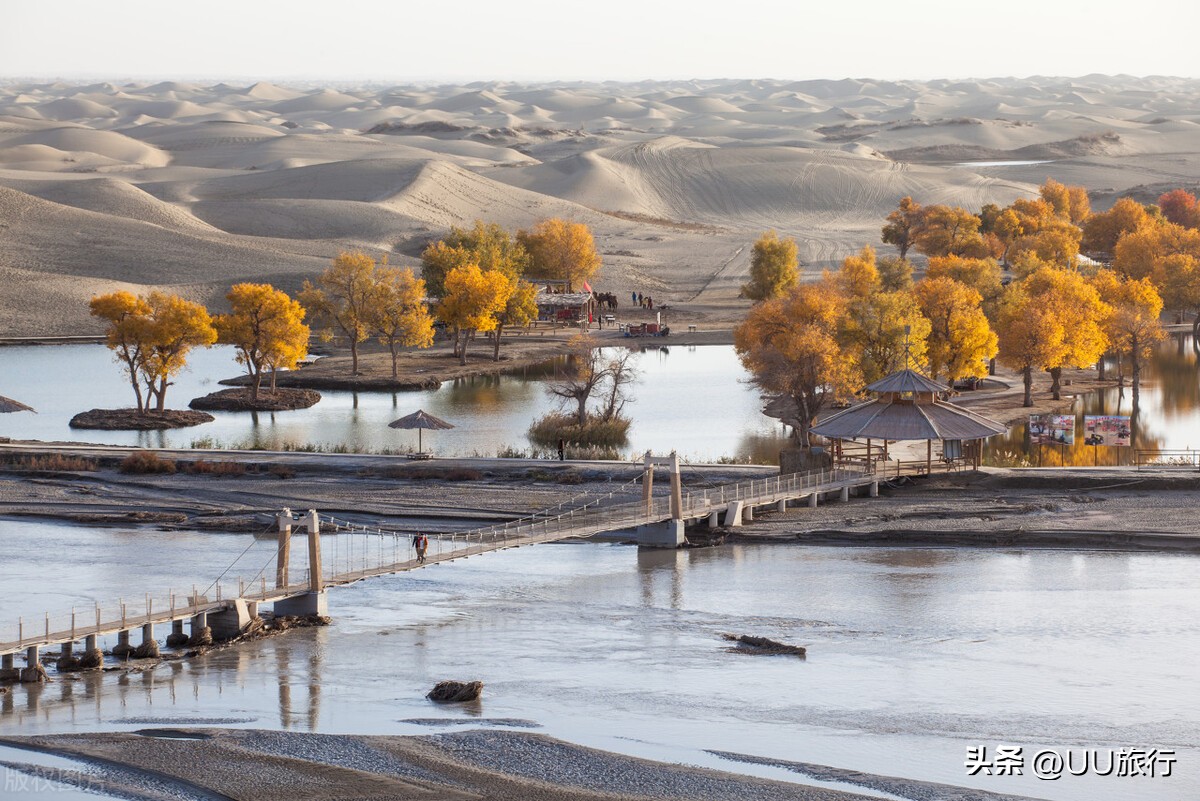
{"x": 949, "y": 231}
{"x": 340, "y": 301}
{"x": 1080, "y": 312}
{"x": 1055, "y": 243}
{"x": 858, "y": 276}
{"x": 902, "y": 226}
{"x": 895, "y": 274}
{"x": 472, "y": 301}
{"x": 881, "y": 330}
{"x": 519, "y": 309}
{"x": 1103, "y": 230}
{"x": 398, "y": 315}
{"x": 1030, "y": 335}
{"x": 487, "y": 245}
{"x": 561, "y": 250}
{"x": 1132, "y": 323}
{"x": 787, "y": 345}
{"x": 961, "y": 341}
{"x": 774, "y": 267}
{"x": 1068, "y": 202}
{"x": 126, "y": 334}
{"x": 175, "y": 326}
{"x": 266, "y": 328}
{"x": 982, "y": 275}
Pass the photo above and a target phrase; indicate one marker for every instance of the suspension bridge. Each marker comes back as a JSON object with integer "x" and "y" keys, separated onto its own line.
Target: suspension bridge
{"x": 300, "y": 588}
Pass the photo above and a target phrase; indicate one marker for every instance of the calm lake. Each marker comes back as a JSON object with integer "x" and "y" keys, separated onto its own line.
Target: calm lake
{"x": 913, "y": 655}
{"x": 695, "y": 400}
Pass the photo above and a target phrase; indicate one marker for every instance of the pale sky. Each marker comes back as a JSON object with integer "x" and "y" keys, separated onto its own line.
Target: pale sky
{"x": 437, "y": 40}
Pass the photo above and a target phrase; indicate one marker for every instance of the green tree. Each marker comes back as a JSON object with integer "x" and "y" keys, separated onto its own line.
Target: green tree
{"x": 774, "y": 267}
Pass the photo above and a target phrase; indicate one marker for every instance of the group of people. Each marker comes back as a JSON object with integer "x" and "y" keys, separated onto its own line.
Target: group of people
{"x": 644, "y": 301}
{"x": 421, "y": 543}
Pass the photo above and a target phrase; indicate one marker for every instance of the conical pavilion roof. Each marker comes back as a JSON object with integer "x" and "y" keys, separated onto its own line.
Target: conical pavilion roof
{"x": 907, "y": 420}
{"x": 906, "y": 380}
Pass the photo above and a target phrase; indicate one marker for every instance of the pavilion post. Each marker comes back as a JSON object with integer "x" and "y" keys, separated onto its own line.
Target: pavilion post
{"x": 929, "y": 457}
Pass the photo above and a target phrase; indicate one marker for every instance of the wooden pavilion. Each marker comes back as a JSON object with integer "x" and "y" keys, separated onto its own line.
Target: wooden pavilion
{"x": 908, "y": 407}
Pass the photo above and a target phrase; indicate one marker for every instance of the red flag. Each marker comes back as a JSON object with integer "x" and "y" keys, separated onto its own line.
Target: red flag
{"x": 587, "y": 287}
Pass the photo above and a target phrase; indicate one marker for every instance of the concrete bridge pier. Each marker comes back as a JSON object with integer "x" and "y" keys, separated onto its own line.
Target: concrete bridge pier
{"x": 201, "y": 633}
{"x": 781, "y": 506}
{"x": 122, "y": 649}
{"x": 231, "y": 621}
{"x": 149, "y": 647}
{"x": 748, "y": 513}
{"x": 873, "y": 489}
{"x": 845, "y": 494}
{"x": 7, "y": 671}
{"x": 714, "y": 519}
{"x": 92, "y": 657}
{"x": 733, "y": 513}
{"x": 33, "y": 673}
{"x": 176, "y": 638}
{"x": 812, "y": 501}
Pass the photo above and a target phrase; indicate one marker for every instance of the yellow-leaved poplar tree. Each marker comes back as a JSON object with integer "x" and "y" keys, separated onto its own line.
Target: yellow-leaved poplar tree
{"x": 788, "y": 346}
{"x": 486, "y": 245}
{"x": 774, "y": 267}
{"x": 126, "y": 335}
{"x": 472, "y": 302}
{"x": 340, "y": 301}
{"x": 1031, "y": 335}
{"x": 961, "y": 341}
{"x": 176, "y": 325}
{"x": 561, "y": 250}
{"x": 398, "y": 315}
{"x": 266, "y": 328}
{"x": 1132, "y": 323}
{"x": 1080, "y": 312}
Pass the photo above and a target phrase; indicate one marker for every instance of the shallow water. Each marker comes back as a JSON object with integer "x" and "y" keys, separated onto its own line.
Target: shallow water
{"x": 913, "y": 654}
{"x": 695, "y": 400}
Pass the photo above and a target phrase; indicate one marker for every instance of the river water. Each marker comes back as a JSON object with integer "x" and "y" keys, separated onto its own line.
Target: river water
{"x": 695, "y": 400}
{"x": 914, "y": 654}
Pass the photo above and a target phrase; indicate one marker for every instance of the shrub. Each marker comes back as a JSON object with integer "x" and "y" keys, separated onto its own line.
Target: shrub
{"x": 146, "y": 462}
{"x": 207, "y": 468}
{"x": 282, "y": 471}
{"x": 51, "y": 463}
{"x": 594, "y": 433}
{"x": 462, "y": 474}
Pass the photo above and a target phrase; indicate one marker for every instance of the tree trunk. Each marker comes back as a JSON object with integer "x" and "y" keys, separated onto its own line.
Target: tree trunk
{"x": 462, "y": 352}
{"x": 581, "y": 411}
{"x": 1135, "y": 368}
{"x": 457, "y": 339}
{"x": 256, "y": 374}
{"x": 162, "y": 395}
{"x": 496, "y": 333}
{"x": 392, "y": 348}
{"x": 1055, "y": 382}
{"x": 353, "y": 355}
{"x": 1027, "y": 373}
{"x": 274, "y": 372}
{"x": 1100, "y": 367}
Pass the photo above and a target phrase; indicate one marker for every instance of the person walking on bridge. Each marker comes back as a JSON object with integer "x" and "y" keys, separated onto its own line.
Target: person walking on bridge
{"x": 421, "y": 543}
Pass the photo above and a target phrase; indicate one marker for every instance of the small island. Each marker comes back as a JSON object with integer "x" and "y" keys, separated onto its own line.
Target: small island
{"x": 242, "y": 399}
{"x": 135, "y": 420}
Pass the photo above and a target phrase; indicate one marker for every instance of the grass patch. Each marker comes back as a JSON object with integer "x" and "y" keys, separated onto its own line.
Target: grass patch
{"x": 408, "y": 473}
{"x": 144, "y": 462}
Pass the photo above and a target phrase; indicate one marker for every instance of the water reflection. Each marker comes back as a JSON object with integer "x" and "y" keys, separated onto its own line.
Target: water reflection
{"x": 1166, "y": 415}
{"x": 696, "y": 401}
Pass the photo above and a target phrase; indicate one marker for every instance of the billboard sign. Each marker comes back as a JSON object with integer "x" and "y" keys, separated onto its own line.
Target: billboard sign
{"x": 1106, "y": 430}
{"x": 1052, "y": 429}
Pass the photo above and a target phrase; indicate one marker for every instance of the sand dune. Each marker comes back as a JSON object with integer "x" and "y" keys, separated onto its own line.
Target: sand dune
{"x": 149, "y": 184}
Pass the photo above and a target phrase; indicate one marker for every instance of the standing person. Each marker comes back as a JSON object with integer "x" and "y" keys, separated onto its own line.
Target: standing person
{"x": 633, "y": 297}
{"x": 421, "y": 543}
{"x": 562, "y": 449}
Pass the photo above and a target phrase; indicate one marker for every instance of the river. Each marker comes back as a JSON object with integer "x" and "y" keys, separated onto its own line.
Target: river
{"x": 914, "y": 654}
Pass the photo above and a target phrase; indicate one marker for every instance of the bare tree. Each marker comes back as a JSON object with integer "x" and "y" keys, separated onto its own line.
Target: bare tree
{"x": 621, "y": 375}
{"x": 584, "y": 377}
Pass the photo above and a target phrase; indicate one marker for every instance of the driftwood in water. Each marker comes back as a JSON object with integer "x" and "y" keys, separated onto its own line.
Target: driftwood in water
{"x": 747, "y": 644}
{"x": 456, "y": 692}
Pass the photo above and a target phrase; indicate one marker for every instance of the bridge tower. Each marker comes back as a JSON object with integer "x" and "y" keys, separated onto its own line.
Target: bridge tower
{"x": 665, "y": 533}
{"x": 311, "y": 600}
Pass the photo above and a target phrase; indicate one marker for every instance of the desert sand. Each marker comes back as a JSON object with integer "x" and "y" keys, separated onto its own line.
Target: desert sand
{"x": 191, "y": 187}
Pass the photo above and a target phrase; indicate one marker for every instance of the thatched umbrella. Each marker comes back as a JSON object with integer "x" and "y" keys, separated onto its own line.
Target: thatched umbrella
{"x": 420, "y": 420}
{"x": 10, "y": 405}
